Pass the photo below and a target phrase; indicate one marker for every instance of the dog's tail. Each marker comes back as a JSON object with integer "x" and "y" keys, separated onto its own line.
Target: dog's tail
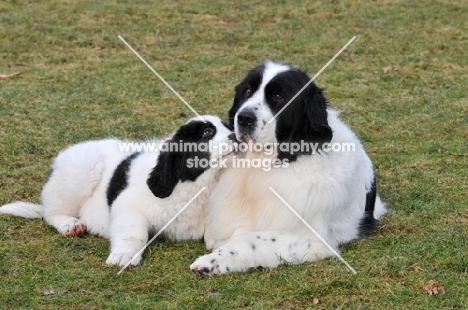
{"x": 23, "y": 209}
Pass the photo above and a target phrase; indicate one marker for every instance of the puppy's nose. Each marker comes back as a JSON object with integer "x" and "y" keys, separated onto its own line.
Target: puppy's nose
{"x": 246, "y": 118}
{"x": 232, "y": 137}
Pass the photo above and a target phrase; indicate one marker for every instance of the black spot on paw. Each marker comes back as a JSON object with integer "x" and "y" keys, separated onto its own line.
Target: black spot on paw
{"x": 213, "y": 261}
{"x": 232, "y": 253}
{"x": 253, "y": 246}
{"x": 228, "y": 269}
{"x": 273, "y": 239}
{"x": 204, "y": 271}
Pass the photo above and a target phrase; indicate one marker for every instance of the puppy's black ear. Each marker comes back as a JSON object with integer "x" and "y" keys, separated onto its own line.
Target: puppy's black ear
{"x": 315, "y": 122}
{"x": 164, "y": 177}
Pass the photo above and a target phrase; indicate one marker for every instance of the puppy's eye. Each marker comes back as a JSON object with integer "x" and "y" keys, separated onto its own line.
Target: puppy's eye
{"x": 279, "y": 97}
{"x": 248, "y": 92}
{"x": 208, "y": 133}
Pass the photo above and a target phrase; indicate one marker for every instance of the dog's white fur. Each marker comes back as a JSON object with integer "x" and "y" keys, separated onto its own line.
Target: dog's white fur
{"x": 248, "y": 226}
{"x": 74, "y": 198}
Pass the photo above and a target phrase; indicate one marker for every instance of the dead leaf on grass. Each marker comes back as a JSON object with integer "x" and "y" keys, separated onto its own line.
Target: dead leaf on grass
{"x": 7, "y": 76}
{"x": 209, "y": 292}
{"x": 389, "y": 70}
{"x": 50, "y": 291}
{"x": 227, "y": 23}
{"x": 433, "y": 288}
{"x": 315, "y": 301}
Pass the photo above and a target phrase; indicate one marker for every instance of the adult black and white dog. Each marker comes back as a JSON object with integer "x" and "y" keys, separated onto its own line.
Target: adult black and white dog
{"x": 333, "y": 189}
{"x": 99, "y": 187}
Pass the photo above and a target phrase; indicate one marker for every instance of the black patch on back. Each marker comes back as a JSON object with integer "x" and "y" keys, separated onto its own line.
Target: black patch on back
{"x": 119, "y": 180}
{"x": 368, "y": 222}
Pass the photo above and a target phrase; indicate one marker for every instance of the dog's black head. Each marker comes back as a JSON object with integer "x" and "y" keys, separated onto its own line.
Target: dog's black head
{"x": 264, "y": 92}
{"x": 184, "y": 157}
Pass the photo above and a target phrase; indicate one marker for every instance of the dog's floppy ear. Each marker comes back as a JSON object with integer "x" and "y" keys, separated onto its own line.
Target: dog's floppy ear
{"x": 173, "y": 164}
{"x": 315, "y": 117}
{"x": 163, "y": 178}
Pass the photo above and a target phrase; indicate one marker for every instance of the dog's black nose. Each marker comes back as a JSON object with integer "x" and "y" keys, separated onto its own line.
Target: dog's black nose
{"x": 232, "y": 137}
{"x": 246, "y": 118}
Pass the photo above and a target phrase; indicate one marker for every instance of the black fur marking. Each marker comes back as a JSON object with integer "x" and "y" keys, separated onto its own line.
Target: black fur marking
{"x": 204, "y": 270}
{"x": 173, "y": 166}
{"x": 232, "y": 253}
{"x": 228, "y": 269}
{"x": 119, "y": 180}
{"x": 368, "y": 222}
{"x": 252, "y": 81}
{"x": 213, "y": 261}
{"x": 305, "y": 119}
{"x": 273, "y": 239}
{"x": 253, "y": 246}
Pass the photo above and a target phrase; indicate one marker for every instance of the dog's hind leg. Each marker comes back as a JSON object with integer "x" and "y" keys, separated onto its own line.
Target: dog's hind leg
{"x": 73, "y": 180}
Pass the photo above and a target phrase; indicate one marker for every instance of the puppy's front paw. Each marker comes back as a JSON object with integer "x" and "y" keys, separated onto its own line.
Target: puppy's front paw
{"x": 118, "y": 258}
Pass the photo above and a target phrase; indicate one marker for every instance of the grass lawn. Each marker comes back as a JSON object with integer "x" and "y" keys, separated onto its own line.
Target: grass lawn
{"x": 402, "y": 86}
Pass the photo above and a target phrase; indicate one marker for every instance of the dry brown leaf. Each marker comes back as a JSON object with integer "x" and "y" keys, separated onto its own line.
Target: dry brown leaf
{"x": 228, "y": 23}
{"x": 50, "y": 291}
{"x": 7, "y": 76}
{"x": 389, "y": 70}
{"x": 433, "y": 288}
{"x": 209, "y": 292}
{"x": 315, "y": 301}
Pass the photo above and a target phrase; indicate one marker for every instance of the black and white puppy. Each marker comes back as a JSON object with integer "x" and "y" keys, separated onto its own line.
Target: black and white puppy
{"x": 107, "y": 189}
{"x": 326, "y": 177}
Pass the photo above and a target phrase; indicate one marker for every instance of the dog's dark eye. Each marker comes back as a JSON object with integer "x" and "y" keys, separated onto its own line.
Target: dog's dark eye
{"x": 208, "y": 133}
{"x": 279, "y": 97}
{"x": 248, "y": 92}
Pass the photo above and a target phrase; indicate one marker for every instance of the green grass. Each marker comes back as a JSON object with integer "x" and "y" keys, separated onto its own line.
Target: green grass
{"x": 79, "y": 82}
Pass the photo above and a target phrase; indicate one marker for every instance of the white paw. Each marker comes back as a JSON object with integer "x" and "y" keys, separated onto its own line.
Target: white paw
{"x": 213, "y": 264}
{"x": 72, "y": 227}
{"x": 118, "y": 258}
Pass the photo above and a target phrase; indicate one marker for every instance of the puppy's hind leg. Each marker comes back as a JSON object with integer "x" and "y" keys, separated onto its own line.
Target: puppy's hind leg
{"x": 71, "y": 183}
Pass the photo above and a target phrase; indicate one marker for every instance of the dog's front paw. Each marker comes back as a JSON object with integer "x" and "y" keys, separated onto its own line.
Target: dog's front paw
{"x": 213, "y": 264}
{"x": 118, "y": 258}
{"x": 206, "y": 265}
